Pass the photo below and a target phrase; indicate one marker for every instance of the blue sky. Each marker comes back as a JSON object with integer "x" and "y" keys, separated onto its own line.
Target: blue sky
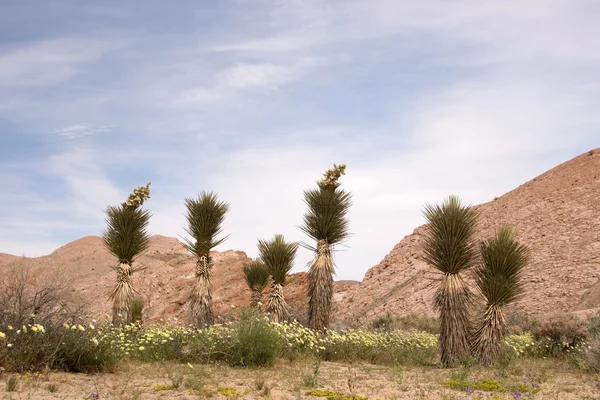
{"x": 255, "y": 99}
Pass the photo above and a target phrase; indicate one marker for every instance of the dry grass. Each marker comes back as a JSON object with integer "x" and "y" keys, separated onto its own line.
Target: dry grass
{"x": 284, "y": 381}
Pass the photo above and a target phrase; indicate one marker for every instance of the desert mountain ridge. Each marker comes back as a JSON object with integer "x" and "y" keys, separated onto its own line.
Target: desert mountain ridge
{"x": 556, "y": 214}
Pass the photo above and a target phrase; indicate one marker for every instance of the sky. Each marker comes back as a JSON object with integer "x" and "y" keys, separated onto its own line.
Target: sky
{"x": 255, "y": 99}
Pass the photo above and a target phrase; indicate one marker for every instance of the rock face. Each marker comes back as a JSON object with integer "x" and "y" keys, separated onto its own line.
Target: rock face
{"x": 556, "y": 214}
{"x": 164, "y": 283}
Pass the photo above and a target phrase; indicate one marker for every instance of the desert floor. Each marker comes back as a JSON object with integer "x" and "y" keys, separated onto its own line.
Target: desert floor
{"x": 295, "y": 380}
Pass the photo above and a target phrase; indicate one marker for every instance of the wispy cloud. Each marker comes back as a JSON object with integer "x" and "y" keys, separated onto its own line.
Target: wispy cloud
{"x": 48, "y": 61}
{"x": 419, "y": 99}
{"x": 80, "y": 130}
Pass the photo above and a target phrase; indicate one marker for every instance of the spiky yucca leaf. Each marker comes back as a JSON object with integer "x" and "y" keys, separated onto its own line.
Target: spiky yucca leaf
{"x": 257, "y": 277}
{"x": 205, "y": 215}
{"x": 278, "y": 257}
{"x": 448, "y": 246}
{"x": 326, "y": 215}
{"x": 126, "y": 234}
{"x": 498, "y": 278}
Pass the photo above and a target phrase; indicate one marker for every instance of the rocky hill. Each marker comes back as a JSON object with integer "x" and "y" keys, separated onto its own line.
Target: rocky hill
{"x": 556, "y": 214}
{"x": 164, "y": 284}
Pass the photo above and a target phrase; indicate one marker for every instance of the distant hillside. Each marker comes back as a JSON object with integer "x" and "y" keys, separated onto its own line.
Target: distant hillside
{"x": 556, "y": 214}
{"x": 164, "y": 284}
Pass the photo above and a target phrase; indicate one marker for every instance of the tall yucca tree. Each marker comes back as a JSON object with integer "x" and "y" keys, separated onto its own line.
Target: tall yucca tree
{"x": 257, "y": 278}
{"x": 498, "y": 278}
{"x": 205, "y": 215}
{"x": 326, "y": 223}
{"x": 448, "y": 246}
{"x": 126, "y": 237}
{"x": 278, "y": 257}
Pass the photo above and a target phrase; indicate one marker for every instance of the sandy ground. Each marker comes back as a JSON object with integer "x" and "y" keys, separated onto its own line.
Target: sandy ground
{"x": 292, "y": 380}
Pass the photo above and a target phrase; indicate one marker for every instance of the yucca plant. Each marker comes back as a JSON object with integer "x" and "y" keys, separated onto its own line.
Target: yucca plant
{"x": 278, "y": 257}
{"x": 498, "y": 278}
{"x": 257, "y": 277}
{"x": 448, "y": 246}
{"x": 126, "y": 237}
{"x": 205, "y": 215}
{"x": 325, "y": 222}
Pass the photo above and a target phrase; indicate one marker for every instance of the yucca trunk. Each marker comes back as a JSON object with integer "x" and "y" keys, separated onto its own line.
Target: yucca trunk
{"x": 277, "y": 307}
{"x": 255, "y": 298}
{"x": 489, "y": 335}
{"x": 201, "y": 298}
{"x": 452, "y": 301}
{"x": 122, "y": 295}
{"x": 320, "y": 287}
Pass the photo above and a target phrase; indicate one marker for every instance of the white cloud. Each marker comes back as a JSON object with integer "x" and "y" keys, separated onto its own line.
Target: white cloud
{"x": 48, "y": 62}
{"x": 88, "y": 189}
{"x": 494, "y": 82}
{"x": 243, "y": 76}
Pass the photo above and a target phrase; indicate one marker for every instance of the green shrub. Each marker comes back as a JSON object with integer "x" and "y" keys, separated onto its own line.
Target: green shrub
{"x": 81, "y": 352}
{"x": 257, "y": 343}
{"x": 137, "y": 310}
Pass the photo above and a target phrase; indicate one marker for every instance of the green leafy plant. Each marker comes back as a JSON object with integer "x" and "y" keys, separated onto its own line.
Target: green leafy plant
{"x": 257, "y": 343}
{"x": 137, "y": 309}
{"x": 310, "y": 379}
{"x": 12, "y": 384}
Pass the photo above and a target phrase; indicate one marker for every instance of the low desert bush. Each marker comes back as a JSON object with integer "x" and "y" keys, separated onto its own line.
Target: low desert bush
{"x": 257, "y": 342}
{"x": 137, "y": 310}
{"x": 559, "y": 334}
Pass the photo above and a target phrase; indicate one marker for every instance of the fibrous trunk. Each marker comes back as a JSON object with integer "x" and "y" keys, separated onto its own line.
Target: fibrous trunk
{"x": 277, "y": 307}
{"x": 122, "y": 295}
{"x": 488, "y": 337}
{"x": 255, "y": 298}
{"x": 320, "y": 287}
{"x": 452, "y": 301}
{"x": 201, "y": 299}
